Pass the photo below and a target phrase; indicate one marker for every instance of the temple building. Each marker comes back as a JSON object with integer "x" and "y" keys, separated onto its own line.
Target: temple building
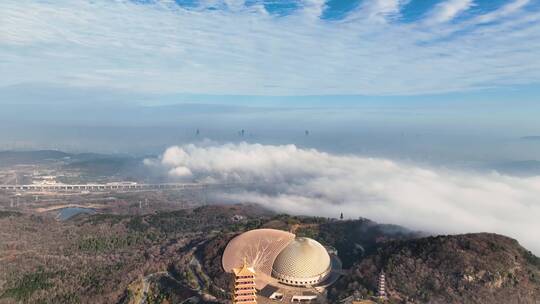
{"x": 289, "y": 268}
{"x": 382, "y": 286}
{"x": 244, "y": 285}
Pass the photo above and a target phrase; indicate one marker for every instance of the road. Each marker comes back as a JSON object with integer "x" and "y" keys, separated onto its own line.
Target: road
{"x": 194, "y": 266}
{"x": 146, "y": 284}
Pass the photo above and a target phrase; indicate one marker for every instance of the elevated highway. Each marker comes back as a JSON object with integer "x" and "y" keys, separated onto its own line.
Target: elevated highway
{"x": 100, "y": 187}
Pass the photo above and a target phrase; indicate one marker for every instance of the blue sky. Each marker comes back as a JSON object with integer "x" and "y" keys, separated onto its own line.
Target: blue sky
{"x": 273, "y": 48}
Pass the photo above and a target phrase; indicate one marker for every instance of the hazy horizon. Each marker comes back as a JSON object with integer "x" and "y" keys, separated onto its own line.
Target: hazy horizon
{"x": 469, "y": 130}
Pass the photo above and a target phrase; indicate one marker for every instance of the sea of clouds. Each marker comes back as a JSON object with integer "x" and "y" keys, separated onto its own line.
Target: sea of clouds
{"x": 290, "y": 179}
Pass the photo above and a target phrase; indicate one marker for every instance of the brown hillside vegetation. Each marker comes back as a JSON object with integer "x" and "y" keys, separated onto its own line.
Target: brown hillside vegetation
{"x": 471, "y": 268}
{"x": 176, "y": 255}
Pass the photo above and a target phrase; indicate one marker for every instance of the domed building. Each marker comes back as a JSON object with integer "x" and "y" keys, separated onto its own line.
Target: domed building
{"x": 287, "y": 267}
{"x": 303, "y": 262}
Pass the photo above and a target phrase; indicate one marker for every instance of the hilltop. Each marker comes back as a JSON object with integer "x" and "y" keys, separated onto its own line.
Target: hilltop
{"x": 176, "y": 254}
{"x": 469, "y": 268}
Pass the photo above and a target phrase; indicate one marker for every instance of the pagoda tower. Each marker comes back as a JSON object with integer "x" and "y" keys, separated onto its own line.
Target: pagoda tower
{"x": 244, "y": 285}
{"x": 381, "y": 290}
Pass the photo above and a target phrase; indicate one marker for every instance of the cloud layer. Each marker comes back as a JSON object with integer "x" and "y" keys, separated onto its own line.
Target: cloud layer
{"x": 230, "y": 47}
{"x": 307, "y": 181}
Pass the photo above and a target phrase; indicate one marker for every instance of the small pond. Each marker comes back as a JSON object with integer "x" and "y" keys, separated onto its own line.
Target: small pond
{"x": 66, "y": 213}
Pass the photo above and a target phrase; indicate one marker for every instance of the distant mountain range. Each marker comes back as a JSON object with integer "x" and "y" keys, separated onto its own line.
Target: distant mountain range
{"x": 531, "y": 137}
{"x": 90, "y": 165}
{"x": 40, "y": 156}
{"x": 31, "y": 157}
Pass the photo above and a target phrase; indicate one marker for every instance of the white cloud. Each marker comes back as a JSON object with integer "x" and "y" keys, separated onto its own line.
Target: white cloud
{"x": 235, "y": 4}
{"x": 306, "y": 181}
{"x": 379, "y": 10}
{"x": 448, "y": 10}
{"x": 246, "y": 50}
{"x": 313, "y": 8}
{"x": 507, "y": 9}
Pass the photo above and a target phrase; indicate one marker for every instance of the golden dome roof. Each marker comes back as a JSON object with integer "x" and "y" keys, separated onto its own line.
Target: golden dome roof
{"x": 302, "y": 258}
